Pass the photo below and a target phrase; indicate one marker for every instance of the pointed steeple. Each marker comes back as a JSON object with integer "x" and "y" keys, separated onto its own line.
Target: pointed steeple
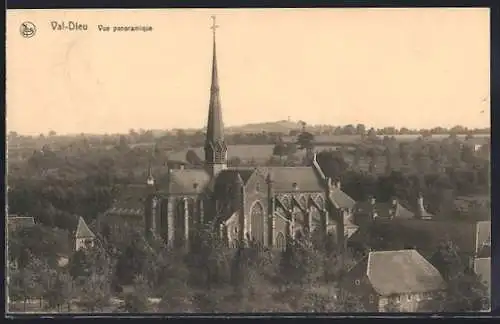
{"x": 150, "y": 180}
{"x": 215, "y": 146}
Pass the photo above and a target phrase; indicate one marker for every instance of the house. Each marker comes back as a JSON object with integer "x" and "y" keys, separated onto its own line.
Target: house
{"x": 472, "y": 239}
{"x": 367, "y": 211}
{"x": 393, "y": 281}
{"x": 482, "y": 267}
{"x": 15, "y": 222}
{"x": 84, "y": 237}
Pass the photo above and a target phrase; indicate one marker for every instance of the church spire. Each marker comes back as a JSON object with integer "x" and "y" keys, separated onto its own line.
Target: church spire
{"x": 150, "y": 180}
{"x": 215, "y": 146}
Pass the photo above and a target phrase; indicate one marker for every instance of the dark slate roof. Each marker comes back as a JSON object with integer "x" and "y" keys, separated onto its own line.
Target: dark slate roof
{"x": 384, "y": 210}
{"x": 404, "y": 271}
{"x": 482, "y": 267}
{"x": 284, "y": 179}
{"x": 130, "y": 201}
{"x": 228, "y": 177}
{"x": 82, "y": 230}
{"x": 187, "y": 181}
{"x": 427, "y": 234}
{"x": 340, "y": 199}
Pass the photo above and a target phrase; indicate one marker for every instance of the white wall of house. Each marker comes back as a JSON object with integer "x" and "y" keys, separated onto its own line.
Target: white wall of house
{"x": 404, "y": 302}
{"x": 82, "y": 243}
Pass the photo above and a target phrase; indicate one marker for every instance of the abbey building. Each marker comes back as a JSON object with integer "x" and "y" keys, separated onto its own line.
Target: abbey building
{"x": 265, "y": 204}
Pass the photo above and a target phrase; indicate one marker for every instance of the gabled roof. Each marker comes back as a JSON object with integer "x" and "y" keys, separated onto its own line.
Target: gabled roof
{"x": 20, "y": 221}
{"x": 340, "y": 199}
{"x": 384, "y": 210}
{"x": 284, "y": 179}
{"x": 482, "y": 267}
{"x": 130, "y": 201}
{"x": 404, "y": 271}
{"x": 82, "y": 230}
{"x": 187, "y": 181}
{"x": 350, "y": 230}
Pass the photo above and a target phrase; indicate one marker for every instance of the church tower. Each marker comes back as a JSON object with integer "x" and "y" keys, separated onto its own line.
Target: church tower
{"x": 215, "y": 146}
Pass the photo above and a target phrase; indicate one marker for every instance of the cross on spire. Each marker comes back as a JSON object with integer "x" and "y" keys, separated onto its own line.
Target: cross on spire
{"x": 214, "y": 25}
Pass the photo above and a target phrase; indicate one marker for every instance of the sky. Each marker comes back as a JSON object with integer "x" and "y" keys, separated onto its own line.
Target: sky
{"x": 416, "y": 68}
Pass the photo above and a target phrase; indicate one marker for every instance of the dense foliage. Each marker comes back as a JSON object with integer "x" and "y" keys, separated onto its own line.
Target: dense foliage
{"x": 81, "y": 176}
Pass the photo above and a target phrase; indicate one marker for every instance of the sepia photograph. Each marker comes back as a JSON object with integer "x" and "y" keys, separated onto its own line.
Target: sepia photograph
{"x": 238, "y": 161}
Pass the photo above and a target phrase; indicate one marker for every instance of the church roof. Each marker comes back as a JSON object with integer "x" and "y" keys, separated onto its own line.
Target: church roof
{"x": 403, "y": 271}
{"x": 340, "y": 199}
{"x": 82, "y": 230}
{"x": 228, "y": 176}
{"x": 130, "y": 201}
{"x": 287, "y": 179}
{"x": 188, "y": 181}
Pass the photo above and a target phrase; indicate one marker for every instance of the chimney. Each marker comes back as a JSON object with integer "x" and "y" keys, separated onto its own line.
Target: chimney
{"x": 329, "y": 184}
{"x": 394, "y": 207}
{"x": 373, "y": 203}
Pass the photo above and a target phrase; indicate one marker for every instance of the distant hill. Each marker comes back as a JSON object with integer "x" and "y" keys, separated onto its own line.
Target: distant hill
{"x": 282, "y": 126}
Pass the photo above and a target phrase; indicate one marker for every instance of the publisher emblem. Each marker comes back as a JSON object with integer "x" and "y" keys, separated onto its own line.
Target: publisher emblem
{"x": 27, "y": 29}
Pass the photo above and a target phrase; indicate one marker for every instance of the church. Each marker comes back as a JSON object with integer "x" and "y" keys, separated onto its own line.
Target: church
{"x": 264, "y": 204}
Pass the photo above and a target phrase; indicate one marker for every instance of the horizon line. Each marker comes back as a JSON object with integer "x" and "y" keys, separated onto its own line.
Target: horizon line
{"x": 411, "y": 129}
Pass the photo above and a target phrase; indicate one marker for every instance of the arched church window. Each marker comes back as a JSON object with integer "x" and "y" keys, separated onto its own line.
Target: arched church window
{"x": 299, "y": 218}
{"x": 280, "y": 241}
{"x": 257, "y": 222}
{"x": 315, "y": 218}
{"x": 320, "y": 201}
{"x": 303, "y": 201}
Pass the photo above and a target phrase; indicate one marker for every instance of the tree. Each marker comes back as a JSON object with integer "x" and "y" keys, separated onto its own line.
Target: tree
{"x": 348, "y": 130}
{"x": 361, "y": 129}
{"x": 305, "y": 141}
{"x": 94, "y": 293}
{"x": 61, "y": 290}
{"x": 279, "y": 150}
{"x": 332, "y": 163}
{"x": 52, "y": 133}
{"x": 123, "y": 144}
{"x": 464, "y": 291}
{"x": 92, "y": 270}
{"x": 372, "y": 134}
{"x": 22, "y": 284}
{"x": 138, "y": 300}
